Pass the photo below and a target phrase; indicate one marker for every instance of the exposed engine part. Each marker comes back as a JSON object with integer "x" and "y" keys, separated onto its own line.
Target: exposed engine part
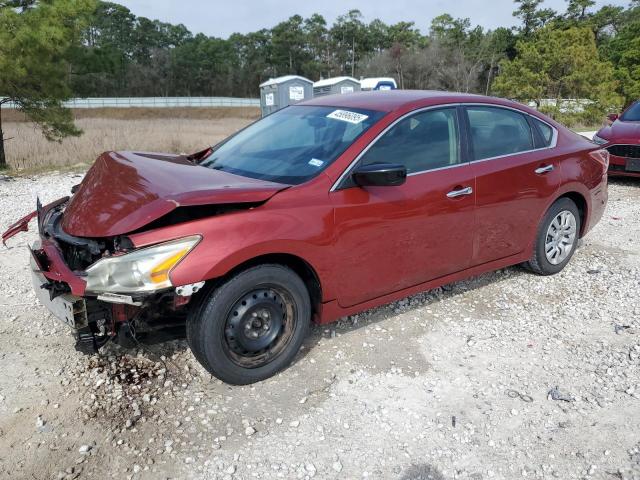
{"x": 97, "y": 330}
{"x": 121, "y": 313}
{"x": 117, "y": 298}
{"x": 190, "y": 289}
{"x": 126, "y": 336}
{"x": 56, "y": 289}
{"x": 53, "y": 228}
{"x": 86, "y": 341}
{"x": 80, "y": 252}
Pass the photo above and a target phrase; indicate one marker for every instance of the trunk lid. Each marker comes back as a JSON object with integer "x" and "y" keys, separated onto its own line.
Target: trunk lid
{"x": 124, "y": 191}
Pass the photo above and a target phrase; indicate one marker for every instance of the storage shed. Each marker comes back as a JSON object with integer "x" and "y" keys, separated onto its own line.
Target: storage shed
{"x": 277, "y": 93}
{"x": 336, "y": 85}
{"x": 378, "y": 83}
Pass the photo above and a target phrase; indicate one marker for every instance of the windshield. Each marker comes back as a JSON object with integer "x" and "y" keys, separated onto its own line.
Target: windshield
{"x": 632, "y": 114}
{"x": 291, "y": 145}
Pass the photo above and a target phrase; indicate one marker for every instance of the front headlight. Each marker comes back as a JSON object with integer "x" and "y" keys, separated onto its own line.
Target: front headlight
{"x": 143, "y": 270}
{"x": 600, "y": 140}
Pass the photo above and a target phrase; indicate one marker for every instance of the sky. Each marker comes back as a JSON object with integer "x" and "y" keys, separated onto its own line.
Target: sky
{"x": 221, "y": 18}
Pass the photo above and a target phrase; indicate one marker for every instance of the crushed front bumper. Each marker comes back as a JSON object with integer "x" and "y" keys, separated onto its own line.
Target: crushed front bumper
{"x": 67, "y": 308}
{"x": 84, "y": 316}
{"x": 60, "y": 289}
{"x": 59, "y": 282}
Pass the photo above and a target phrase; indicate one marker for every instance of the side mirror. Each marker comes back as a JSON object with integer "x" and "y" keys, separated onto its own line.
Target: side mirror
{"x": 380, "y": 175}
{"x": 612, "y": 117}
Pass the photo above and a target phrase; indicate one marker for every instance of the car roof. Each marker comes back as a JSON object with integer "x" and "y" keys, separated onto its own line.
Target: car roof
{"x": 390, "y": 100}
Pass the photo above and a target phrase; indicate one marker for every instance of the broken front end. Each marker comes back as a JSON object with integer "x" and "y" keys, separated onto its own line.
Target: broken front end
{"x": 103, "y": 288}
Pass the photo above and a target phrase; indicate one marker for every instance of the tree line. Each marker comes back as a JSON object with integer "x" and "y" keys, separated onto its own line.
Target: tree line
{"x": 55, "y": 49}
{"x": 126, "y": 55}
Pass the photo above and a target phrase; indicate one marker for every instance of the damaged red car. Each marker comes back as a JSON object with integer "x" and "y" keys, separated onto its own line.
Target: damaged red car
{"x": 318, "y": 211}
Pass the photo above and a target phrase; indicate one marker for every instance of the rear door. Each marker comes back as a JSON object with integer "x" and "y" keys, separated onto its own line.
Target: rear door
{"x": 516, "y": 173}
{"x": 391, "y": 238}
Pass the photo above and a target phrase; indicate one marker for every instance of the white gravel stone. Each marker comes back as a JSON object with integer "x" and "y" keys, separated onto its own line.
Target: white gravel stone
{"x": 377, "y": 398}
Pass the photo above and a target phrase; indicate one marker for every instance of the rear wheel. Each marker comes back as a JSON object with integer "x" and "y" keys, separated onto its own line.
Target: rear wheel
{"x": 557, "y": 238}
{"x": 252, "y": 326}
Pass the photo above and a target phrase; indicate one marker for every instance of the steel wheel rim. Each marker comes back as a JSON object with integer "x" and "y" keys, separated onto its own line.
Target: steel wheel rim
{"x": 561, "y": 235}
{"x": 259, "y": 326}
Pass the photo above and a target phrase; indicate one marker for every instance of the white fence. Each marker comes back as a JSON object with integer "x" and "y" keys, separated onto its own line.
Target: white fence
{"x": 564, "y": 105}
{"x": 157, "y": 102}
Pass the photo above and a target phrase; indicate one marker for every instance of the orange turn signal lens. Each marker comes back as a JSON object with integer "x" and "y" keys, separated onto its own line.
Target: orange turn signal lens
{"x": 160, "y": 273}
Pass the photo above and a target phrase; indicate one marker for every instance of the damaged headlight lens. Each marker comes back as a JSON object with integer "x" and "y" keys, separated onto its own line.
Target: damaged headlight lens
{"x": 143, "y": 270}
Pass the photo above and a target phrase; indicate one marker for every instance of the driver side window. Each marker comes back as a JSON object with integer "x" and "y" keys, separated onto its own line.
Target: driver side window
{"x": 421, "y": 142}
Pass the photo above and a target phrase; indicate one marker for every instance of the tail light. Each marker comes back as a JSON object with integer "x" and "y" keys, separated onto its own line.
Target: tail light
{"x": 602, "y": 157}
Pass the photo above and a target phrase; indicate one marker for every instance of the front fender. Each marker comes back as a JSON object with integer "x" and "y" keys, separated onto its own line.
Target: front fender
{"x": 230, "y": 240}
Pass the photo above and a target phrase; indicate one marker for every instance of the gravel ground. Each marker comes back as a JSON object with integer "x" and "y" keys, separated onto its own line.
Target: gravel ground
{"x": 508, "y": 375}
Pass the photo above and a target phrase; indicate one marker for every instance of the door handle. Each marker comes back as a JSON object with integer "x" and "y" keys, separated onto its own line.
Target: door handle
{"x": 545, "y": 169}
{"x": 460, "y": 192}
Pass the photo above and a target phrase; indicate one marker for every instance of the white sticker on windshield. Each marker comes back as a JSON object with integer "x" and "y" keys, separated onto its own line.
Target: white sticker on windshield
{"x": 315, "y": 162}
{"x": 347, "y": 116}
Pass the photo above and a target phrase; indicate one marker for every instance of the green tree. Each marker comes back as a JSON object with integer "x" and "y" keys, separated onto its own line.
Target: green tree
{"x": 624, "y": 52}
{"x": 531, "y": 16}
{"x": 450, "y": 31}
{"x": 620, "y": 43}
{"x": 349, "y": 41}
{"x": 577, "y": 9}
{"x": 289, "y": 53}
{"x": 316, "y": 39}
{"x": 34, "y": 48}
{"x": 560, "y": 64}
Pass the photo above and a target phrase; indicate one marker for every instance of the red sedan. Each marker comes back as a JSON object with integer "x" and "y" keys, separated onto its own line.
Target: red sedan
{"x": 320, "y": 210}
{"x": 622, "y": 140}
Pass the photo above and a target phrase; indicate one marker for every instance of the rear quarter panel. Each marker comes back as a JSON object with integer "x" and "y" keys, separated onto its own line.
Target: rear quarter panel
{"x": 583, "y": 173}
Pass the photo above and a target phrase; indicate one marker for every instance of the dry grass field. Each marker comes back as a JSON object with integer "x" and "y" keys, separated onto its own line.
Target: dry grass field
{"x": 174, "y": 130}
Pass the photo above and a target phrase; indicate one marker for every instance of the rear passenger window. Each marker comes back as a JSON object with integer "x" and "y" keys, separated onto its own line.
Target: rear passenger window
{"x": 498, "y": 131}
{"x": 421, "y": 142}
{"x": 545, "y": 130}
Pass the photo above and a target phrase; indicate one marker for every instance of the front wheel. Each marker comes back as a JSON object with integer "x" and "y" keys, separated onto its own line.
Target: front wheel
{"x": 252, "y": 326}
{"x": 557, "y": 238}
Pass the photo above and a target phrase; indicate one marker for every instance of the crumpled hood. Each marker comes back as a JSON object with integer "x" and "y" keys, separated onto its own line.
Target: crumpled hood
{"x": 124, "y": 191}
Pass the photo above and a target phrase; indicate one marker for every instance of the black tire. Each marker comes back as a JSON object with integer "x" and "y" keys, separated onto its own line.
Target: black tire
{"x": 225, "y": 328}
{"x": 539, "y": 262}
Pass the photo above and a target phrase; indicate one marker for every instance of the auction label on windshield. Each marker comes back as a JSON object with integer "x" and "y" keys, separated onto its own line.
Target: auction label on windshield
{"x": 347, "y": 116}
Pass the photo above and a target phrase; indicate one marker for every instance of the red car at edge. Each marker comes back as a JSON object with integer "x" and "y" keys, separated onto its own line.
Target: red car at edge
{"x": 622, "y": 140}
{"x": 318, "y": 211}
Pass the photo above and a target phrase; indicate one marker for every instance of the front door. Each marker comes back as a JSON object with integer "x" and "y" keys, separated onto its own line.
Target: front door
{"x": 391, "y": 238}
